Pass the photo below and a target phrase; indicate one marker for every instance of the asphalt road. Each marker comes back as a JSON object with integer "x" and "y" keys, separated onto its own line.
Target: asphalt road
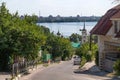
{"x": 63, "y": 71}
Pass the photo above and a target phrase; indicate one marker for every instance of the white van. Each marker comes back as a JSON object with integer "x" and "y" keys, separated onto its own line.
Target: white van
{"x": 76, "y": 60}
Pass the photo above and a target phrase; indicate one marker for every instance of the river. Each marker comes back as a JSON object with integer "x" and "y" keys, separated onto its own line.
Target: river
{"x": 67, "y": 28}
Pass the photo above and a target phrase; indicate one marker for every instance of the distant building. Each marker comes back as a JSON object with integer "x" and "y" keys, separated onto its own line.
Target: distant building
{"x": 84, "y": 34}
{"x": 108, "y": 32}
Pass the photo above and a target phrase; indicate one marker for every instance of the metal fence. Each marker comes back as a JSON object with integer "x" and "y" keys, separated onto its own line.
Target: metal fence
{"x": 22, "y": 67}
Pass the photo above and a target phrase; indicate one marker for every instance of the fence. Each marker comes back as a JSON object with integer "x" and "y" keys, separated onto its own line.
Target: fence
{"x": 22, "y": 67}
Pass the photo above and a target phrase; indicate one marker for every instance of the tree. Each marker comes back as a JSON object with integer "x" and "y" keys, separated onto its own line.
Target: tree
{"x": 75, "y": 37}
{"x": 5, "y": 17}
{"x": 31, "y": 19}
{"x": 18, "y": 38}
{"x": 84, "y": 51}
{"x": 59, "y": 47}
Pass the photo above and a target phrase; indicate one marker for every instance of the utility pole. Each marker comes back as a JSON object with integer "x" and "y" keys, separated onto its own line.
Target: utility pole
{"x": 90, "y": 46}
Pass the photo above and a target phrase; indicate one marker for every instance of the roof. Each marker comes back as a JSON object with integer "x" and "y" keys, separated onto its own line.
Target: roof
{"x": 75, "y": 45}
{"x": 116, "y": 16}
{"x": 105, "y": 23}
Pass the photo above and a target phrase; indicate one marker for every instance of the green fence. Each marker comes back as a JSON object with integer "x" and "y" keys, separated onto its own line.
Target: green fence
{"x": 46, "y": 57}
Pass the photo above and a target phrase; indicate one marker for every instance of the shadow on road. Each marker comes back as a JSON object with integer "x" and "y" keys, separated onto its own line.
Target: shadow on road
{"x": 94, "y": 73}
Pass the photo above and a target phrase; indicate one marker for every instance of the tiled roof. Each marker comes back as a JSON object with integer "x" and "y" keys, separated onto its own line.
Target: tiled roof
{"x": 104, "y": 24}
{"x": 116, "y": 7}
{"x": 116, "y": 16}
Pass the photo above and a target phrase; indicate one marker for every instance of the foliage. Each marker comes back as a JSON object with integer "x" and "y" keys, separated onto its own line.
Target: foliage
{"x": 95, "y": 39}
{"x": 45, "y": 30}
{"x": 117, "y": 67}
{"x": 18, "y": 37}
{"x": 75, "y": 37}
{"x": 85, "y": 52}
{"x": 58, "y": 47}
{"x": 83, "y": 61}
{"x": 31, "y": 19}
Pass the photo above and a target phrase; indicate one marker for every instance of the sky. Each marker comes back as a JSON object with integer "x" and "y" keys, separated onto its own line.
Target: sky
{"x": 59, "y": 7}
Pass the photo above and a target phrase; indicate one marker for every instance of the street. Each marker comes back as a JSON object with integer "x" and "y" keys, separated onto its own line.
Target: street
{"x": 62, "y": 71}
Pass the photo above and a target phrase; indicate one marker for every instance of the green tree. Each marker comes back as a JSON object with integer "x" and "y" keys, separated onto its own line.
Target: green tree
{"x": 75, "y": 37}
{"x": 84, "y": 50}
{"x": 5, "y": 17}
{"x": 18, "y": 38}
{"x": 31, "y": 19}
{"x": 59, "y": 47}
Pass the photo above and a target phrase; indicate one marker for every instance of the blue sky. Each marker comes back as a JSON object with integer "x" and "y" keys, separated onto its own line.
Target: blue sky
{"x": 59, "y": 7}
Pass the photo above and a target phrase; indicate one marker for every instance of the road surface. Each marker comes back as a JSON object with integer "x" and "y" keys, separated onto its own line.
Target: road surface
{"x": 63, "y": 71}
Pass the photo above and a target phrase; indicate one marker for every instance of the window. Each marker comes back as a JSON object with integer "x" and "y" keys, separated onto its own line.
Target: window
{"x": 115, "y": 26}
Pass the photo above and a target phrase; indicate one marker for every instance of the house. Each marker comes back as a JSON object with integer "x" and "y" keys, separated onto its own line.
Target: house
{"x": 108, "y": 32}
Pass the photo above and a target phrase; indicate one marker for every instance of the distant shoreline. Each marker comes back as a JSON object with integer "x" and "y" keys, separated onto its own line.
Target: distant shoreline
{"x": 59, "y": 19}
{"x": 66, "y": 22}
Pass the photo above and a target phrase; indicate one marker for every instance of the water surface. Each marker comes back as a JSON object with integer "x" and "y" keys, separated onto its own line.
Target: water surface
{"x": 67, "y": 28}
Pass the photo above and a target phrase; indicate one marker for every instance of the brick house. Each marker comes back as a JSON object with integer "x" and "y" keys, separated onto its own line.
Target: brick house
{"x": 108, "y": 32}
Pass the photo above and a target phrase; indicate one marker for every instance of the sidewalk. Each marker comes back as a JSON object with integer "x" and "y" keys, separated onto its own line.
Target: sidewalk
{"x": 7, "y": 76}
{"x": 4, "y": 76}
{"x": 91, "y": 69}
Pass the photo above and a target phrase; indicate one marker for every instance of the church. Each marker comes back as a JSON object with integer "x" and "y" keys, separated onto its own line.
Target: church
{"x": 84, "y": 35}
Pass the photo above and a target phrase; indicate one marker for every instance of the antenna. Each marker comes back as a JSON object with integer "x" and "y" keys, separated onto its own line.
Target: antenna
{"x": 39, "y": 17}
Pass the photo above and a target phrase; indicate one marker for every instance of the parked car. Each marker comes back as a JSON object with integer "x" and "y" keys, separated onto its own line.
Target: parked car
{"x": 76, "y": 60}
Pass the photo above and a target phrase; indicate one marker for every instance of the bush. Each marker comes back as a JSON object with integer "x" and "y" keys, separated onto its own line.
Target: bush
{"x": 88, "y": 56}
{"x": 117, "y": 67}
{"x": 83, "y": 61}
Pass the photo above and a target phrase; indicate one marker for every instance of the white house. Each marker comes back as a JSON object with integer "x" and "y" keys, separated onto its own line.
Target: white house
{"x": 108, "y": 31}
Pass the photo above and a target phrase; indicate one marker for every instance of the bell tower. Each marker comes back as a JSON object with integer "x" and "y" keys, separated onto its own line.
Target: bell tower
{"x": 84, "y": 34}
